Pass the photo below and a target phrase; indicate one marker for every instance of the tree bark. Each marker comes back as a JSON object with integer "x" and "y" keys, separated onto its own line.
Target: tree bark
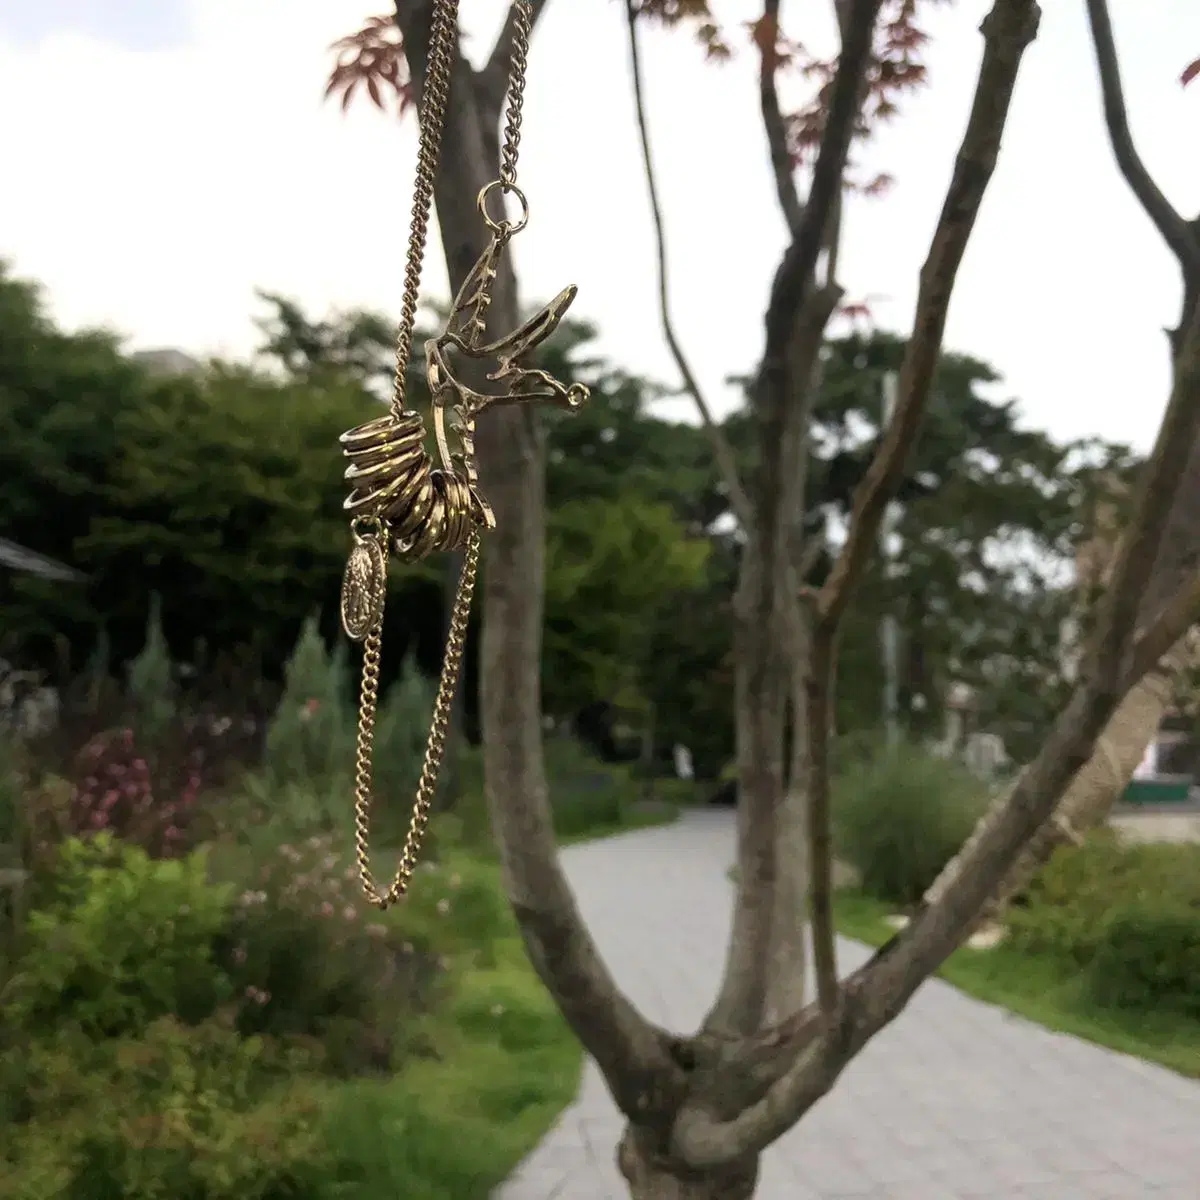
{"x": 652, "y": 1178}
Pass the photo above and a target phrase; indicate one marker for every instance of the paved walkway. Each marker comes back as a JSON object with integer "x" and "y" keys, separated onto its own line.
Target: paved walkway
{"x": 955, "y": 1100}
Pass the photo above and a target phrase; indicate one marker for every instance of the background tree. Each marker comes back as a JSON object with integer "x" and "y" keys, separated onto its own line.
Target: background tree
{"x": 1136, "y": 721}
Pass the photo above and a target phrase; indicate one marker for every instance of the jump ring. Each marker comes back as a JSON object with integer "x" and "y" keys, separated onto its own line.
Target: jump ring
{"x": 504, "y": 227}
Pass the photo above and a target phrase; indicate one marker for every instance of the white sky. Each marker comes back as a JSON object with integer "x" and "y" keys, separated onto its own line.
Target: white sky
{"x": 163, "y": 158}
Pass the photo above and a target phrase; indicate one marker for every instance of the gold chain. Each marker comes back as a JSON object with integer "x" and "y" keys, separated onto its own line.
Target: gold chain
{"x": 397, "y": 494}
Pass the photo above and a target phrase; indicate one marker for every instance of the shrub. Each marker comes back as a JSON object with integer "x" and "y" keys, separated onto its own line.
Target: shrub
{"x": 115, "y": 791}
{"x": 457, "y": 906}
{"x": 307, "y": 959}
{"x": 1064, "y": 911}
{"x": 310, "y": 738}
{"x": 125, "y": 940}
{"x": 400, "y": 734}
{"x": 151, "y": 678}
{"x": 585, "y": 793}
{"x": 179, "y": 1114}
{"x": 1148, "y": 958}
{"x": 899, "y": 816}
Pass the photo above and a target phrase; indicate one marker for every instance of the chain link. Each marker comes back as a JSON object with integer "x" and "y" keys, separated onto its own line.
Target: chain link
{"x": 435, "y": 747}
{"x": 516, "y": 93}
{"x": 442, "y": 47}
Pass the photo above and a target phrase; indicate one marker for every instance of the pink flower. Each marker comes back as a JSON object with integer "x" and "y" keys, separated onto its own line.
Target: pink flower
{"x": 326, "y": 909}
{"x": 349, "y": 912}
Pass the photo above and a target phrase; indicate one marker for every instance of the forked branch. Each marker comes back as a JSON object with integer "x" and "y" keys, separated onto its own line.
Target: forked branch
{"x": 1174, "y": 229}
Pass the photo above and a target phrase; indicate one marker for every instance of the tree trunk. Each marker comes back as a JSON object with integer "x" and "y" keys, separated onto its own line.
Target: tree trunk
{"x": 651, "y": 1178}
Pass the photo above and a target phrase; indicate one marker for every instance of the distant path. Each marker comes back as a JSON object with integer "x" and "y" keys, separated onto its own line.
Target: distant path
{"x": 956, "y": 1100}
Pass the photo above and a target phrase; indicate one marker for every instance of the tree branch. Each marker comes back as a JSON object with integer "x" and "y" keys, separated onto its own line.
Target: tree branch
{"x": 1009, "y": 28}
{"x": 1178, "y": 615}
{"x": 795, "y": 272}
{"x": 1174, "y": 229}
{"x": 722, "y": 451}
{"x": 776, "y": 126}
{"x": 850, "y": 1016}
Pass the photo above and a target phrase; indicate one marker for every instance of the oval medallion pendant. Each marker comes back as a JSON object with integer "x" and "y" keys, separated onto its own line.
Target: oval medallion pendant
{"x": 364, "y": 586}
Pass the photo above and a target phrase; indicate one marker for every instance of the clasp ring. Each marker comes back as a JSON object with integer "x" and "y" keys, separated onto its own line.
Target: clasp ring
{"x": 503, "y": 227}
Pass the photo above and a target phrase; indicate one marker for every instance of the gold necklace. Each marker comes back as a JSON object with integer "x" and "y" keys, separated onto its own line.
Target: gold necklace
{"x": 400, "y": 502}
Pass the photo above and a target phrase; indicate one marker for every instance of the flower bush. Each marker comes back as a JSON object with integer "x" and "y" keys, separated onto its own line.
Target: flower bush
{"x": 307, "y": 960}
{"x": 115, "y": 792}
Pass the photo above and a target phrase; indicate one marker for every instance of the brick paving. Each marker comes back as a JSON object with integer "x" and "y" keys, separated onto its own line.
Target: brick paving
{"x": 956, "y": 1100}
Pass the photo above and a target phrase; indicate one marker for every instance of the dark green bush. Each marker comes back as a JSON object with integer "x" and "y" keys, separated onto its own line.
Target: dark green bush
{"x": 1064, "y": 911}
{"x": 900, "y": 815}
{"x": 585, "y": 793}
{"x": 1148, "y": 958}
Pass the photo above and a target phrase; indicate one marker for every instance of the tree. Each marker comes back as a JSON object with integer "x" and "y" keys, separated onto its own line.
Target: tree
{"x": 1136, "y": 720}
{"x": 701, "y": 1109}
{"x": 984, "y": 526}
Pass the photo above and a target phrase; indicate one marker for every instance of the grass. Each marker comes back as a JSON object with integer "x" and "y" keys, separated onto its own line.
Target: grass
{"x": 501, "y": 1066}
{"x": 1040, "y": 989}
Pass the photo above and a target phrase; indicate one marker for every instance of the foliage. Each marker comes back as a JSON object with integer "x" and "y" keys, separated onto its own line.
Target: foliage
{"x": 401, "y": 729}
{"x": 987, "y": 519}
{"x": 151, "y": 679}
{"x": 306, "y": 961}
{"x": 502, "y": 1065}
{"x": 111, "y": 1100}
{"x": 309, "y": 739}
{"x": 1148, "y": 957}
{"x": 1067, "y": 905}
{"x": 899, "y": 816}
{"x": 116, "y": 792}
{"x": 617, "y": 565}
{"x": 179, "y": 1112}
{"x": 126, "y": 940}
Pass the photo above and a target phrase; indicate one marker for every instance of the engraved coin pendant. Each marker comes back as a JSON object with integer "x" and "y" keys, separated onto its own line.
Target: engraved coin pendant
{"x": 363, "y": 588}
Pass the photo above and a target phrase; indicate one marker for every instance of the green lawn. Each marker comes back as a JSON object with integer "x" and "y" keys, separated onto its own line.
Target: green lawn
{"x": 501, "y": 1065}
{"x": 1041, "y": 990}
